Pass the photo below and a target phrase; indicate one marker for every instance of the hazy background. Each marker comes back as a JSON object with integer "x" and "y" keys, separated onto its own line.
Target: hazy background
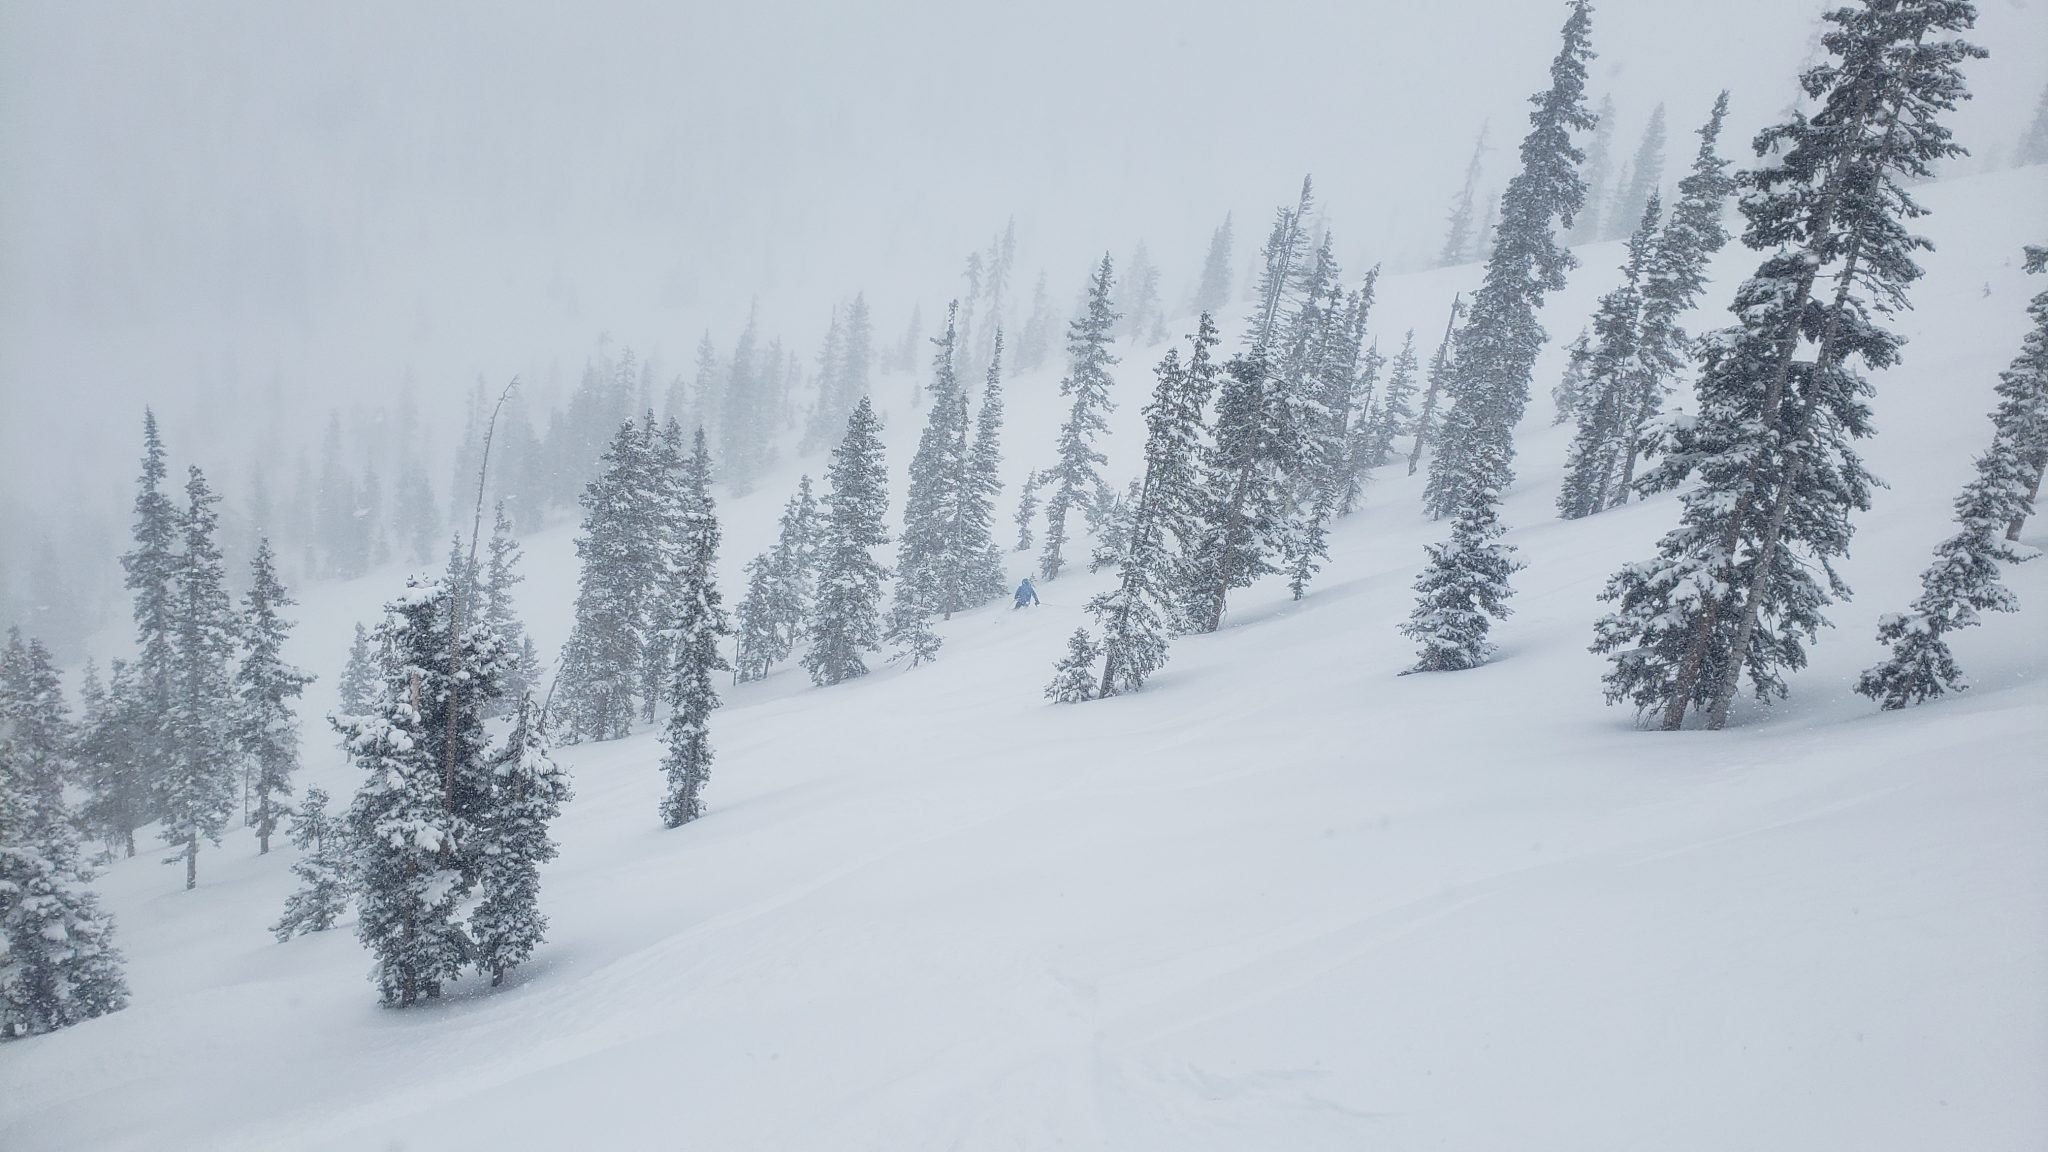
{"x": 248, "y": 214}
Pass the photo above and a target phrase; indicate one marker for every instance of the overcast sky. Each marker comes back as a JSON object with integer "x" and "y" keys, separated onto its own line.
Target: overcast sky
{"x": 199, "y": 201}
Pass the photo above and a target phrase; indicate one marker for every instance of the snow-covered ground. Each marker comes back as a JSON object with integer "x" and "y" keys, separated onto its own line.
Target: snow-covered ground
{"x": 1282, "y": 899}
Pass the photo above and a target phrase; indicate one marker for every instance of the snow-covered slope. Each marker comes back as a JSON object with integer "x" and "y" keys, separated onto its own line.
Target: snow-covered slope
{"x": 1280, "y": 899}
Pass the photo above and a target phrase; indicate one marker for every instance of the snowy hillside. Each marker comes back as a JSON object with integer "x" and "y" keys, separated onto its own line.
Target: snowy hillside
{"x": 1282, "y": 898}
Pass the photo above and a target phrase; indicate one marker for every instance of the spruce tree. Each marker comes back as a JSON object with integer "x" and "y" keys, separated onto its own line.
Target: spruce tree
{"x": 1027, "y": 512}
{"x": 1610, "y": 383}
{"x": 1674, "y": 277}
{"x": 930, "y": 567}
{"x": 1599, "y": 157}
{"x": 323, "y": 869}
{"x": 2033, "y": 148}
{"x": 359, "y": 676}
{"x": 1964, "y": 579}
{"x": 501, "y": 574}
{"x": 1392, "y": 417}
{"x": 1739, "y": 586}
{"x": 1441, "y": 367}
{"x": 1074, "y": 676}
{"x": 846, "y": 623}
{"x": 198, "y": 782}
{"x": 1464, "y": 588}
{"x": 1212, "y": 291}
{"x": 1646, "y": 172}
{"x": 602, "y": 662}
{"x": 1459, "y": 236}
{"x": 267, "y": 729}
{"x": 1077, "y": 477}
{"x": 1137, "y": 617}
{"x": 1035, "y": 342}
{"x": 35, "y": 722}
{"x": 58, "y": 964}
{"x": 527, "y": 792}
{"x": 109, "y": 754}
{"x": 150, "y": 574}
{"x": 1138, "y": 300}
{"x": 1568, "y": 396}
{"x": 1497, "y": 347}
{"x": 694, "y": 648}
{"x": 983, "y": 577}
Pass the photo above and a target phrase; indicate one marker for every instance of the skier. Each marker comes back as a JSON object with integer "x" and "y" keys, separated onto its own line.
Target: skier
{"x": 1026, "y": 595}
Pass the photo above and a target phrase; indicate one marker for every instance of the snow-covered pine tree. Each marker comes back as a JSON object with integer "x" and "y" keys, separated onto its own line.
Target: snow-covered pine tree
{"x": 1137, "y": 617}
{"x": 928, "y": 564}
{"x": 58, "y": 964}
{"x": 846, "y": 623}
{"x": 420, "y": 822}
{"x": 825, "y": 419}
{"x": 35, "y": 721}
{"x": 601, "y": 664}
{"x": 150, "y": 574}
{"x": 1077, "y": 476}
{"x": 1497, "y": 347}
{"x": 1463, "y": 590}
{"x": 1568, "y": 397}
{"x": 198, "y": 782}
{"x": 746, "y": 422}
{"x": 501, "y": 574}
{"x": 2033, "y": 147}
{"x": 1027, "y": 512}
{"x": 983, "y": 577}
{"x": 1770, "y": 439}
{"x": 1139, "y": 299}
{"x": 1458, "y": 236}
{"x": 1441, "y": 368}
{"x": 665, "y": 501}
{"x": 1673, "y": 279}
{"x": 1321, "y": 373}
{"x": 267, "y": 729}
{"x": 695, "y": 647}
{"x": 1964, "y": 579}
{"x": 1610, "y": 383}
{"x": 1212, "y": 291}
{"x": 110, "y": 768}
{"x": 323, "y": 869}
{"x": 359, "y": 676}
{"x": 1074, "y": 676}
{"x": 1599, "y": 158}
{"x": 1394, "y": 415}
{"x": 527, "y": 792}
{"x": 1034, "y": 344}
{"x": 1645, "y": 173}
{"x": 1246, "y": 499}
{"x": 856, "y": 357}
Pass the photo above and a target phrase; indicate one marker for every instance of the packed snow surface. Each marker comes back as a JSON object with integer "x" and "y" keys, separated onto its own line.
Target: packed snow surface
{"x": 1281, "y": 899}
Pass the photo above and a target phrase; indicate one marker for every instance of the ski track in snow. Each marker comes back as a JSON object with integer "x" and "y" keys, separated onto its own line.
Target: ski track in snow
{"x": 1282, "y": 898}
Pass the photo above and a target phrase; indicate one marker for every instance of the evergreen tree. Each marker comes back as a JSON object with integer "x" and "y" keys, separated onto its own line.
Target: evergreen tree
{"x": 58, "y": 964}
{"x": 1077, "y": 477}
{"x": 1323, "y": 382}
{"x": 527, "y": 793}
{"x": 267, "y": 728}
{"x": 825, "y": 419}
{"x": 1459, "y": 237}
{"x": 1139, "y": 299}
{"x": 601, "y": 664}
{"x": 1645, "y": 173}
{"x": 1137, "y": 617}
{"x": 1364, "y": 430}
{"x": 198, "y": 782}
{"x": 746, "y": 423}
{"x": 983, "y": 577}
{"x": 35, "y": 722}
{"x": 1246, "y": 499}
{"x": 1394, "y": 416}
{"x": 1611, "y": 382}
{"x": 1964, "y": 580}
{"x": 1035, "y": 343}
{"x": 421, "y": 824}
{"x": 359, "y": 676}
{"x": 846, "y": 623}
{"x": 1569, "y": 397}
{"x": 150, "y": 574}
{"x": 2033, "y": 147}
{"x": 1027, "y": 512}
{"x": 322, "y": 869}
{"x": 665, "y": 501}
{"x": 1497, "y": 347}
{"x": 699, "y": 629}
{"x": 1770, "y": 440}
{"x": 780, "y": 586}
{"x": 1441, "y": 367}
{"x": 1074, "y": 676}
{"x": 1464, "y": 588}
{"x": 501, "y": 574}
{"x": 1212, "y": 292}
{"x": 1599, "y": 158}
{"x": 110, "y": 751}
{"x": 1674, "y": 277}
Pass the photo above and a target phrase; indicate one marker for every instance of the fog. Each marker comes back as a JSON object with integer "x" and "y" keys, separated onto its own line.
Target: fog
{"x": 248, "y": 214}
